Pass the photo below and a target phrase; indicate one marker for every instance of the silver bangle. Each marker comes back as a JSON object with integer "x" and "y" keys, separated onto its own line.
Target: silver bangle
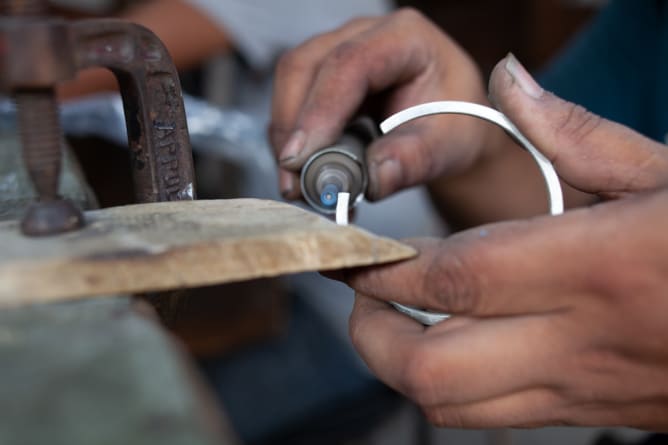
{"x": 555, "y": 196}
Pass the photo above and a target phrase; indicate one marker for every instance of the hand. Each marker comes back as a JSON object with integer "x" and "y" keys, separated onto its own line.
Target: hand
{"x": 557, "y": 320}
{"x": 321, "y": 85}
{"x": 592, "y": 155}
{"x": 394, "y": 62}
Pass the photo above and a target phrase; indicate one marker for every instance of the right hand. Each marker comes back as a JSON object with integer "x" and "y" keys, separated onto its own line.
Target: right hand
{"x": 321, "y": 85}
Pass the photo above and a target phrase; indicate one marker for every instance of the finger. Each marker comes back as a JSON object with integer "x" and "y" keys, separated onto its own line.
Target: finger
{"x": 647, "y": 415}
{"x": 407, "y": 156}
{"x": 538, "y": 407}
{"x": 372, "y": 343}
{"x": 590, "y": 153}
{"x": 288, "y": 183}
{"x": 475, "y": 361}
{"x": 382, "y": 56}
{"x": 294, "y": 76}
{"x": 524, "y": 409}
{"x": 545, "y": 264}
{"x": 506, "y": 268}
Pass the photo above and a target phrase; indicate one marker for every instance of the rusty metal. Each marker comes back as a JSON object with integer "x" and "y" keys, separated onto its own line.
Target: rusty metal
{"x": 38, "y": 52}
{"x": 34, "y": 60}
{"x": 152, "y": 100}
{"x": 42, "y": 154}
{"x": 51, "y": 217}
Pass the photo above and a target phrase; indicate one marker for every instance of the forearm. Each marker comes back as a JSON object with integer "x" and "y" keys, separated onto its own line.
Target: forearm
{"x": 187, "y": 33}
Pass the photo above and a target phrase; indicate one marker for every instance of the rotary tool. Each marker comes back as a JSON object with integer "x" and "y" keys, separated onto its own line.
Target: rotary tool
{"x": 339, "y": 168}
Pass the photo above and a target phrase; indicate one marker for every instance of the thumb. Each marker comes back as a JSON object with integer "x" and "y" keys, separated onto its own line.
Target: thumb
{"x": 590, "y": 153}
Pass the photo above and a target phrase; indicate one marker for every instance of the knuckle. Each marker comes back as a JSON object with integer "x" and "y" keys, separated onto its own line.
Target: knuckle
{"x": 348, "y": 53}
{"x": 451, "y": 282}
{"x": 576, "y": 123}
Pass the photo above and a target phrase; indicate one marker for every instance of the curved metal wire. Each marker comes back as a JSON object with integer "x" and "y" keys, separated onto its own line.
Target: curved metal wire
{"x": 555, "y": 196}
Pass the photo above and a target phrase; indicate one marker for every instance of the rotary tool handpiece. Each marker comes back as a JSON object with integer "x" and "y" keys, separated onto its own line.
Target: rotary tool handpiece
{"x": 339, "y": 168}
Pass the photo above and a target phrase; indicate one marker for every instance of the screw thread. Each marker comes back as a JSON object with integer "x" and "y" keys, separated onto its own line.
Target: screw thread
{"x": 39, "y": 127}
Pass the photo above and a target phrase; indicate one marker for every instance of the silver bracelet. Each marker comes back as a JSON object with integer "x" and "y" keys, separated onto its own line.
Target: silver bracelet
{"x": 555, "y": 196}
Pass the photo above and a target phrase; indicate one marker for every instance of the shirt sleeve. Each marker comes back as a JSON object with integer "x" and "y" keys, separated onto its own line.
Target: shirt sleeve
{"x": 614, "y": 66}
{"x": 263, "y": 29}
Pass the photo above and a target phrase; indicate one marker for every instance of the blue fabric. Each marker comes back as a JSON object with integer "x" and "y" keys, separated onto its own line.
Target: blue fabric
{"x": 618, "y": 66}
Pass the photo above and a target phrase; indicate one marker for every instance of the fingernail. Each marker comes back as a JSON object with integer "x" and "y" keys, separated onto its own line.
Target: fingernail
{"x": 385, "y": 171}
{"x": 293, "y": 147}
{"x": 522, "y": 77}
{"x": 286, "y": 184}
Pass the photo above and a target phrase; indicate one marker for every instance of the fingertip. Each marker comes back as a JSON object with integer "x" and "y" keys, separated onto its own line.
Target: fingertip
{"x": 407, "y": 156}
{"x": 288, "y": 184}
{"x": 303, "y": 143}
{"x": 369, "y": 312}
{"x": 293, "y": 147}
{"x": 383, "y": 337}
{"x": 522, "y": 78}
{"x": 507, "y": 74}
{"x": 384, "y": 174}
{"x": 499, "y": 82}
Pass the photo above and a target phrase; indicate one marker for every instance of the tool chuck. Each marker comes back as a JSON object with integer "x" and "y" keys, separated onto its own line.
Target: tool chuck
{"x": 339, "y": 168}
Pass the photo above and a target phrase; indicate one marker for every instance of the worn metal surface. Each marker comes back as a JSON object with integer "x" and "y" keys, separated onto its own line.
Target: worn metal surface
{"x": 42, "y": 153}
{"x": 154, "y": 112}
{"x": 92, "y": 372}
{"x": 99, "y": 372}
{"x": 38, "y": 52}
{"x": 17, "y": 191}
{"x": 35, "y": 57}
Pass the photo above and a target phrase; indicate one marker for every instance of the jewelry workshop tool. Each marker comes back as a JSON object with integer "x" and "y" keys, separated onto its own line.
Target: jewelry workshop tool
{"x": 340, "y": 168}
{"x": 40, "y": 51}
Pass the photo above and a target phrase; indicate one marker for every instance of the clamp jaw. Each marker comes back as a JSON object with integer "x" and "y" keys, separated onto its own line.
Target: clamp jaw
{"x": 39, "y": 51}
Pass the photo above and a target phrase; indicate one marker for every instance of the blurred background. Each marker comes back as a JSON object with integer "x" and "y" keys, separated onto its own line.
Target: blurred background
{"x": 278, "y": 357}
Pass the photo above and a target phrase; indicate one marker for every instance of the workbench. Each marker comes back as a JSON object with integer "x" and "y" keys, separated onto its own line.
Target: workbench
{"x": 99, "y": 371}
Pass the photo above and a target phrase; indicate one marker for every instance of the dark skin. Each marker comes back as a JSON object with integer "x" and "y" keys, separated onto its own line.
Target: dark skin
{"x": 557, "y": 320}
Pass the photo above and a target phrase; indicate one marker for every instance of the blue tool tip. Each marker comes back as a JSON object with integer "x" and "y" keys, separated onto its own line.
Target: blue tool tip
{"x": 329, "y": 195}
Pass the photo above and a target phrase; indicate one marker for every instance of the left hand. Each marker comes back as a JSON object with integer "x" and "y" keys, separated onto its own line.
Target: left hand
{"x": 556, "y": 320}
